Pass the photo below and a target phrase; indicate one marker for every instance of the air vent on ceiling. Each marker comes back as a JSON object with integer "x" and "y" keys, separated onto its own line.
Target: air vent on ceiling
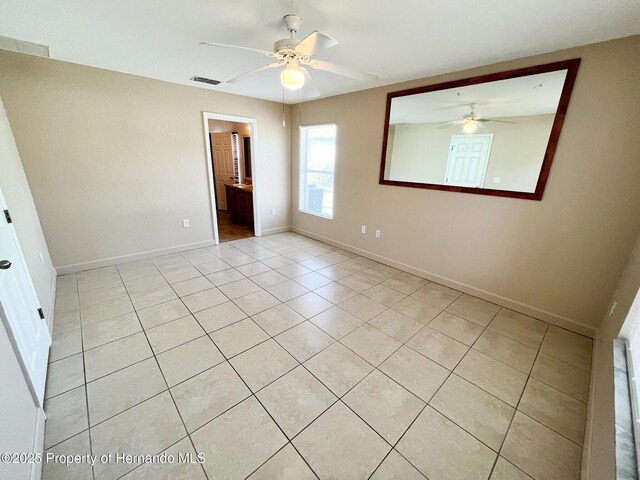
{"x": 210, "y": 81}
{"x": 21, "y": 46}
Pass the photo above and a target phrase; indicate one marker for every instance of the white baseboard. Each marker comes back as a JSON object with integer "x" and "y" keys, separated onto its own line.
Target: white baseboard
{"x": 105, "y": 262}
{"x": 52, "y": 300}
{"x": 549, "y": 317}
{"x": 585, "y": 472}
{"x": 273, "y": 231}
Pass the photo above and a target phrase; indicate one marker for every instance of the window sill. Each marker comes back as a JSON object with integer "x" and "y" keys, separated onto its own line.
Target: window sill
{"x": 327, "y": 217}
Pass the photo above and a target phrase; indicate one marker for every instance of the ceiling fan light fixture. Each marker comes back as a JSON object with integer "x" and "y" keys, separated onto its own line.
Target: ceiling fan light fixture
{"x": 470, "y": 127}
{"x": 292, "y": 78}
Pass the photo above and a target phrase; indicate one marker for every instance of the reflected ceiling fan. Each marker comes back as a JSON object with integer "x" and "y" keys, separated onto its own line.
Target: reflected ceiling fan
{"x": 294, "y": 56}
{"x": 471, "y": 121}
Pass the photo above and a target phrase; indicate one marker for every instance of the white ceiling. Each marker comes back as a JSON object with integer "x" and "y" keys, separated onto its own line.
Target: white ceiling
{"x": 516, "y": 97}
{"x": 399, "y": 40}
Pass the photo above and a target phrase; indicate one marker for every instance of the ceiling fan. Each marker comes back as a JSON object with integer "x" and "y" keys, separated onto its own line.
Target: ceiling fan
{"x": 295, "y": 55}
{"x": 472, "y": 121}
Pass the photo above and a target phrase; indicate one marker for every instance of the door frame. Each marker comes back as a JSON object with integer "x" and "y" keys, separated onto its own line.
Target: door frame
{"x": 206, "y": 116}
{"x": 485, "y": 167}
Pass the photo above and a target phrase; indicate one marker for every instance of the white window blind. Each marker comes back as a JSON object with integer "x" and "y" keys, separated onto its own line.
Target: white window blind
{"x": 235, "y": 153}
{"x": 317, "y": 162}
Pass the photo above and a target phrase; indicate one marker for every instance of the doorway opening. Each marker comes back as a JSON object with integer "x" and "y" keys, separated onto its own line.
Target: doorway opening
{"x": 231, "y": 163}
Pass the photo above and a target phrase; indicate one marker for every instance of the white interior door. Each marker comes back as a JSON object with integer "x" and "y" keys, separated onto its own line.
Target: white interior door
{"x": 468, "y": 160}
{"x": 20, "y": 305}
{"x": 222, "y": 165}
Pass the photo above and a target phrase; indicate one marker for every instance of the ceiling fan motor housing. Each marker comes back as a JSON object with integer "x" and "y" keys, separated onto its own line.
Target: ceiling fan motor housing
{"x": 284, "y": 45}
{"x": 292, "y": 21}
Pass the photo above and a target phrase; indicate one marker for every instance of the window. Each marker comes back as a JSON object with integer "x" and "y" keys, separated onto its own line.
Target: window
{"x": 317, "y": 160}
{"x": 631, "y": 333}
{"x": 235, "y": 154}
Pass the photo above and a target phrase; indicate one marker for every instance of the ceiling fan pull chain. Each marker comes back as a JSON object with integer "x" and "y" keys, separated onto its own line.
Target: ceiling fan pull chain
{"x": 283, "y": 122}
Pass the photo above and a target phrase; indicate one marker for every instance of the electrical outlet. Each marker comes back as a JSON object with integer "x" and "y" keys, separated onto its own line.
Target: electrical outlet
{"x": 497, "y": 179}
{"x": 273, "y": 212}
{"x": 363, "y": 229}
{"x": 378, "y": 233}
{"x": 185, "y": 222}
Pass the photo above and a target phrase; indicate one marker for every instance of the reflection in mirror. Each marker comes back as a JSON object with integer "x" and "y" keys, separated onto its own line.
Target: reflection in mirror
{"x": 246, "y": 155}
{"x": 478, "y": 135}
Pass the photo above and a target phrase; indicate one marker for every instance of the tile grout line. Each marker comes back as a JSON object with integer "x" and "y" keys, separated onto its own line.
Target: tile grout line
{"x": 86, "y": 388}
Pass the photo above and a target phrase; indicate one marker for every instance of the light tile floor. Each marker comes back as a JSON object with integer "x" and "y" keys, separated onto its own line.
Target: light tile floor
{"x": 283, "y": 357}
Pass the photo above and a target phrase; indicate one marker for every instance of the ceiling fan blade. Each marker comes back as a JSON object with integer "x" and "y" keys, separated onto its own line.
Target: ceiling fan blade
{"x": 314, "y": 42}
{"x": 450, "y": 124}
{"x": 257, "y": 50}
{"x": 341, "y": 70}
{"x": 254, "y": 71}
{"x": 500, "y": 121}
{"x": 310, "y": 89}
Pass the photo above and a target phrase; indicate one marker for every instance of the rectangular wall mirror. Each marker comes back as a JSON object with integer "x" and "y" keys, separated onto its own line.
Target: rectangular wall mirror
{"x": 493, "y": 135}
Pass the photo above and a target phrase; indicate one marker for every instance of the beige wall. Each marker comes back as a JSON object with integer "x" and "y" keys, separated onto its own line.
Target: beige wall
{"x": 517, "y": 152}
{"x": 115, "y": 161}
{"x": 218, "y": 126}
{"x": 599, "y": 459}
{"x": 420, "y": 153}
{"x": 559, "y": 258}
{"x": 17, "y": 195}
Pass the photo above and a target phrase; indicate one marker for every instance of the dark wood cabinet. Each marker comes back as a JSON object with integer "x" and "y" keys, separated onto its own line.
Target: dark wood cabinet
{"x": 240, "y": 204}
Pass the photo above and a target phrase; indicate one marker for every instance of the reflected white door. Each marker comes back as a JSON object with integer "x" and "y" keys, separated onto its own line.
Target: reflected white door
{"x": 468, "y": 160}
{"x": 222, "y": 165}
{"x": 20, "y": 309}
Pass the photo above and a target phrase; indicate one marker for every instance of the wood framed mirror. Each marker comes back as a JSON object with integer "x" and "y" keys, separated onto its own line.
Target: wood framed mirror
{"x": 494, "y": 134}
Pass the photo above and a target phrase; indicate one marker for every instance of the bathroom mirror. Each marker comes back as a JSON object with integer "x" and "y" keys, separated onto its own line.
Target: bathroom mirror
{"x": 246, "y": 155}
{"x": 493, "y": 135}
